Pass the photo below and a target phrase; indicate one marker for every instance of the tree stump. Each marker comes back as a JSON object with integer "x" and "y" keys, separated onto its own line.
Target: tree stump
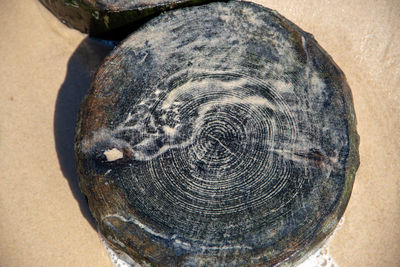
{"x": 217, "y": 135}
{"x": 111, "y": 19}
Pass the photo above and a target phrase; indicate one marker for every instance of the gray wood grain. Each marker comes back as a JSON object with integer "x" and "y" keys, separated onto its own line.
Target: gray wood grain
{"x": 217, "y": 135}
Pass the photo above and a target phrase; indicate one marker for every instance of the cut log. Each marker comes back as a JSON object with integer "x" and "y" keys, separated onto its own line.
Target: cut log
{"x": 217, "y": 135}
{"x": 111, "y": 19}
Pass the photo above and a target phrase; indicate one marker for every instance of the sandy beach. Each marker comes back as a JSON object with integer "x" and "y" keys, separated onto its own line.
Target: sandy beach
{"x": 46, "y": 68}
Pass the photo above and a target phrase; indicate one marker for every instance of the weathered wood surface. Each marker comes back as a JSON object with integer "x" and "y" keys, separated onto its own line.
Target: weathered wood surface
{"x": 111, "y": 19}
{"x": 217, "y": 135}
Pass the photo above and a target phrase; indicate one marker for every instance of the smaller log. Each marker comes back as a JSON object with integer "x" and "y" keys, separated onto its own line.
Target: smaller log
{"x": 111, "y": 19}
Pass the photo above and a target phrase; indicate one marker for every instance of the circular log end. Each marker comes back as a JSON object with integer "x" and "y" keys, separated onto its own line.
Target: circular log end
{"x": 217, "y": 135}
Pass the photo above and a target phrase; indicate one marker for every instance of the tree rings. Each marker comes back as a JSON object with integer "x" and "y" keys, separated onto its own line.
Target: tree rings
{"x": 217, "y": 135}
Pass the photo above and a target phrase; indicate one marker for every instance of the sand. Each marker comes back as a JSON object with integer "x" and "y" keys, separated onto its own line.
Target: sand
{"x": 45, "y": 69}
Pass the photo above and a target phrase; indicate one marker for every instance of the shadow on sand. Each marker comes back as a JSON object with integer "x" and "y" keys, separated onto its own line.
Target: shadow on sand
{"x": 81, "y": 68}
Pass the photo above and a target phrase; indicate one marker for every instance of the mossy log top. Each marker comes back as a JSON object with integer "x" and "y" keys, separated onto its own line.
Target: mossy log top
{"x": 111, "y": 19}
{"x": 217, "y": 135}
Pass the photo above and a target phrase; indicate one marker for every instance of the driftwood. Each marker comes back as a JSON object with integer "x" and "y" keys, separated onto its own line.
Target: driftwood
{"x": 111, "y": 19}
{"x": 217, "y": 135}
